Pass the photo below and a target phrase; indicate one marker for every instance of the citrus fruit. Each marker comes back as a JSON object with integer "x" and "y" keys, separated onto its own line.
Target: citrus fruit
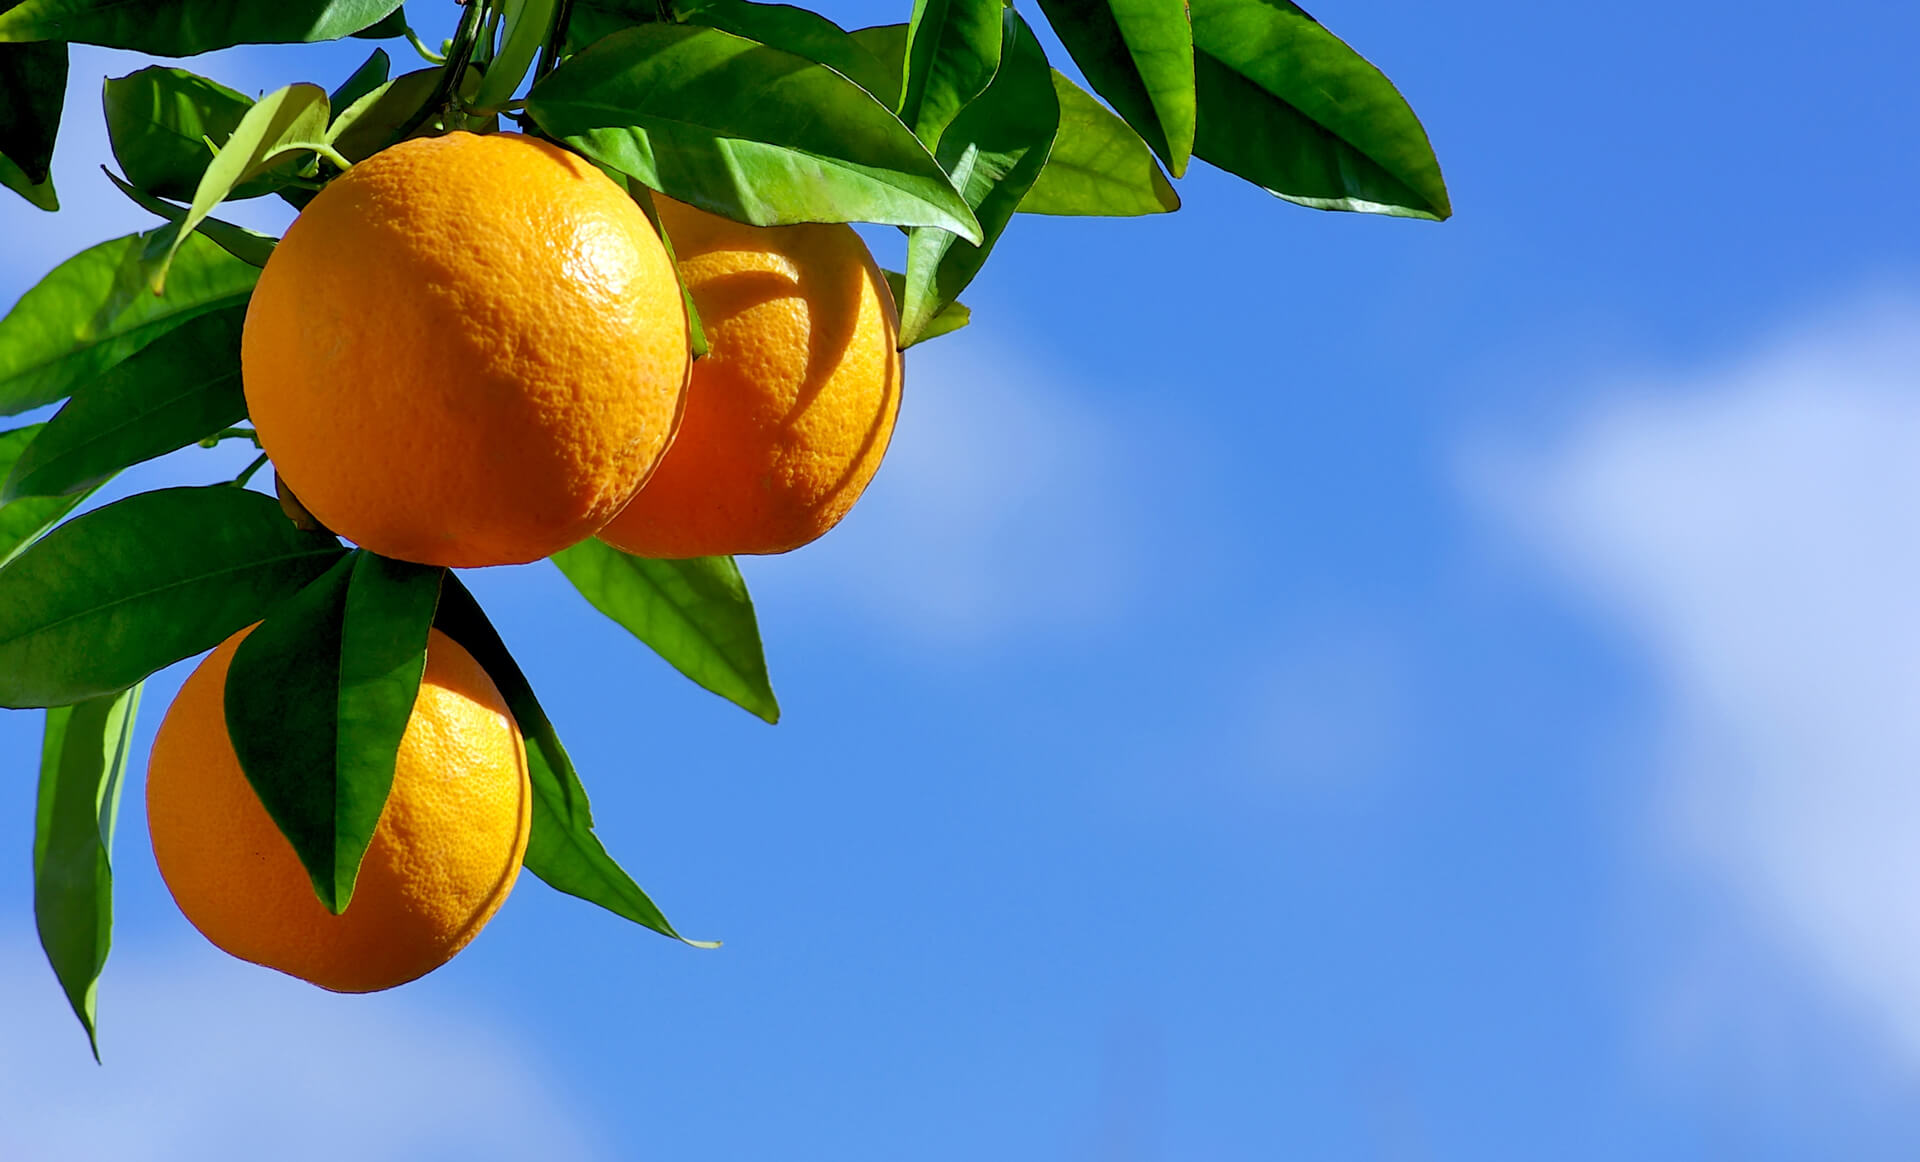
{"x": 790, "y": 411}
{"x": 467, "y": 350}
{"x": 443, "y": 858}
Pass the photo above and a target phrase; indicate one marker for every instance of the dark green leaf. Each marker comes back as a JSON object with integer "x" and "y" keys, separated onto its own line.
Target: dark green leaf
{"x": 248, "y": 246}
{"x": 113, "y": 595}
{"x": 888, "y": 44}
{"x": 317, "y": 700}
{"x": 994, "y": 149}
{"x": 798, "y": 31}
{"x": 953, "y": 49}
{"x": 95, "y": 309}
{"x": 22, "y": 521}
{"x": 183, "y": 387}
{"x": 374, "y": 121}
{"x": 949, "y": 319}
{"x": 83, "y": 763}
{"x": 562, "y": 850}
{"x": 695, "y": 613}
{"x": 186, "y": 27}
{"x": 33, "y": 88}
{"x": 363, "y": 80}
{"x": 1098, "y": 165}
{"x": 1288, "y": 106}
{"x": 744, "y": 130}
{"x": 39, "y": 194}
{"x": 159, "y": 122}
{"x": 289, "y": 122}
{"x": 393, "y": 24}
{"x": 1138, "y": 54}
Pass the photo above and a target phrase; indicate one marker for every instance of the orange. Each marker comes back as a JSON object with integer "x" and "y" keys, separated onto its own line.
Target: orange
{"x": 443, "y": 858}
{"x": 467, "y": 350}
{"x": 790, "y": 411}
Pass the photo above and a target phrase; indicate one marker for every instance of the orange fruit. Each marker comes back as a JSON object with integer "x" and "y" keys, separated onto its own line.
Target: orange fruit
{"x": 467, "y": 350}
{"x": 790, "y": 411}
{"x": 442, "y": 860}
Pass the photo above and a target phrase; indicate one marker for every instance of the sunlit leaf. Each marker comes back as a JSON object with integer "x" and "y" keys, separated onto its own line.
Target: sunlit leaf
{"x": 186, "y": 27}
{"x": 160, "y": 122}
{"x": 249, "y": 246}
{"x": 947, "y": 320}
{"x": 953, "y": 50}
{"x": 1138, "y": 54}
{"x": 796, "y": 30}
{"x": 1098, "y": 165}
{"x": 695, "y": 613}
{"x": 83, "y": 763}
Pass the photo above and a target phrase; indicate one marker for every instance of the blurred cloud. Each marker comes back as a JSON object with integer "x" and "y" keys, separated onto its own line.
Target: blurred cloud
{"x": 1756, "y": 529}
{"x": 1002, "y": 506}
{"x": 209, "y": 1059}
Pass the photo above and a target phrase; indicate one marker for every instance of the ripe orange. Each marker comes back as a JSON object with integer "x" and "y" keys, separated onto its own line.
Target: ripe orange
{"x": 442, "y": 860}
{"x": 467, "y": 350}
{"x": 789, "y": 413}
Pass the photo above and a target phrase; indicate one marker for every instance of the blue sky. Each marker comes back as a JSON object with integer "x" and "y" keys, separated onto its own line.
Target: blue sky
{"x": 1301, "y": 686}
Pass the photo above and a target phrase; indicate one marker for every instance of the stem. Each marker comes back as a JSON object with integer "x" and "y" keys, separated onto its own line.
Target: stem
{"x": 464, "y": 38}
{"x": 246, "y": 473}
{"x": 556, "y": 40}
{"x": 419, "y": 46}
{"x": 232, "y": 434}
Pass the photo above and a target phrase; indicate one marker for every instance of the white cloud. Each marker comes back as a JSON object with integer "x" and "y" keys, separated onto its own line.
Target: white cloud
{"x": 1003, "y": 505}
{"x": 1757, "y": 530}
{"x": 210, "y": 1059}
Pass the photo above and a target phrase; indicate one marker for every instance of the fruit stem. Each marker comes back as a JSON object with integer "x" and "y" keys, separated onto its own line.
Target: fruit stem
{"x": 464, "y": 37}
{"x": 556, "y": 39}
{"x": 246, "y": 473}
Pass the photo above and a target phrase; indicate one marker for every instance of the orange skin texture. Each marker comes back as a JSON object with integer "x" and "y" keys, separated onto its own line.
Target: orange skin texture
{"x": 789, "y": 413}
{"x": 467, "y": 350}
{"x": 442, "y": 860}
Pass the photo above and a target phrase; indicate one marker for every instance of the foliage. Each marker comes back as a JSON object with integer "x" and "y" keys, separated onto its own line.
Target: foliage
{"x": 947, "y": 126}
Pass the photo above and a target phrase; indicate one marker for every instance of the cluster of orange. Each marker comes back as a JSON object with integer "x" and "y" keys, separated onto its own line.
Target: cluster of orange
{"x": 474, "y": 350}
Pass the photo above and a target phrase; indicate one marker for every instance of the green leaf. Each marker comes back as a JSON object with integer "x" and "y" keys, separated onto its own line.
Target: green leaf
{"x": 745, "y": 130}
{"x": 1138, "y": 54}
{"x": 374, "y": 121}
{"x": 183, "y": 387}
{"x": 947, "y": 320}
{"x": 643, "y": 197}
{"x": 289, "y": 121}
{"x": 953, "y": 49}
{"x": 1288, "y": 106}
{"x": 888, "y": 44}
{"x": 994, "y": 149}
{"x": 249, "y": 246}
{"x": 695, "y": 613}
{"x": 23, "y": 521}
{"x": 95, "y": 309}
{"x": 562, "y": 850}
{"x": 393, "y": 24}
{"x": 117, "y": 593}
{"x": 39, "y": 194}
{"x": 1098, "y": 166}
{"x": 83, "y": 765}
{"x": 159, "y": 121}
{"x": 364, "y": 79}
{"x": 798, "y": 31}
{"x": 33, "y": 89}
{"x": 317, "y": 701}
{"x": 526, "y": 26}
{"x": 186, "y": 27}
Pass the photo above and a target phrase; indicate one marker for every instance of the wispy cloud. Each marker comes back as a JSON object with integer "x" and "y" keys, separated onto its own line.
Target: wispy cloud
{"x": 209, "y": 1059}
{"x": 1756, "y": 529}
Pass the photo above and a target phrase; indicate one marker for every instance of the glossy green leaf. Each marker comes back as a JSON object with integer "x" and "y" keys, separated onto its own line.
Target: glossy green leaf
{"x": 117, "y": 593}
{"x": 249, "y": 246}
{"x": 317, "y": 700}
{"x": 83, "y": 764}
{"x": 797, "y": 31}
{"x": 393, "y": 24}
{"x": 363, "y": 80}
{"x": 695, "y": 613}
{"x": 289, "y": 121}
{"x": 888, "y": 44}
{"x": 23, "y": 521}
{"x": 947, "y": 320}
{"x": 1288, "y": 106}
{"x": 96, "y": 308}
{"x": 186, "y": 27}
{"x": 643, "y": 197}
{"x": 41, "y": 195}
{"x": 159, "y": 123}
{"x": 562, "y": 850}
{"x": 953, "y": 50}
{"x": 373, "y": 122}
{"x": 525, "y": 29}
{"x": 994, "y": 149}
{"x": 33, "y": 89}
{"x": 745, "y": 130}
{"x": 1098, "y": 166}
{"x": 1138, "y": 54}
{"x": 183, "y": 387}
